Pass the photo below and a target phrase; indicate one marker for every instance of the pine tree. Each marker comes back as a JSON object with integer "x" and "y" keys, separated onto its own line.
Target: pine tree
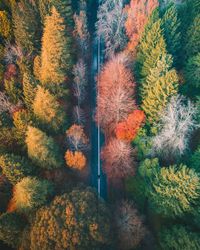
{"x": 57, "y": 47}
{"x": 26, "y": 26}
{"x": 171, "y": 27}
{"x": 42, "y": 149}
{"x": 192, "y": 72}
{"x": 48, "y": 111}
{"x": 29, "y": 89}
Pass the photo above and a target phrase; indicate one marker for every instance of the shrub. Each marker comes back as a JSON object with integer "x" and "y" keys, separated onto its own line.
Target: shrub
{"x": 31, "y": 193}
{"x": 42, "y": 149}
{"x": 15, "y": 167}
{"x": 76, "y": 160}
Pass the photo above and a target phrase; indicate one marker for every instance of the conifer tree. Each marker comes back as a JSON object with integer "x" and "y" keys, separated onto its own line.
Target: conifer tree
{"x": 29, "y": 89}
{"x": 26, "y": 26}
{"x": 57, "y": 47}
{"x": 5, "y": 25}
{"x": 42, "y": 149}
{"x": 192, "y": 72}
{"x": 48, "y": 111}
{"x": 171, "y": 27}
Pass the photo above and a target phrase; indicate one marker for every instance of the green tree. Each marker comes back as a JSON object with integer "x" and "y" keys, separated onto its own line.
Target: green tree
{"x": 171, "y": 27}
{"x": 11, "y": 228}
{"x": 5, "y": 25}
{"x": 174, "y": 190}
{"x": 72, "y": 221}
{"x": 42, "y": 149}
{"x": 15, "y": 167}
{"x": 13, "y": 90}
{"x": 195, "y": 160}
{"x": 29, "y": 89}
{"x": 178, "y": 238}
{"x": 192, "y": 72}
{"x": 57, "y": 47}
{"x": 31, "y": 193}
{"x": 26, "y": 21}
{"x": 48, "y": 111}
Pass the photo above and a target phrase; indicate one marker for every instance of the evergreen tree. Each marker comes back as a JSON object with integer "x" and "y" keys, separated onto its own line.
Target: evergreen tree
{"x": 31, "y": 193}
{"x": 27, "y": 26}
{"x": 195, "y": 160}
{"x": 48, "y": 111}
{"x": 192, "y": 72}
{"x": 15, "y": 167}
{"x": 179, "y": 237}
{"x": 29, "y": 90}
{"x": 42, "y": 149}
{"x": 11, "y": 227}
{"x": 57, "y": 47}
{"x": 171, "y": 27}
{"x": 174, "y": 191}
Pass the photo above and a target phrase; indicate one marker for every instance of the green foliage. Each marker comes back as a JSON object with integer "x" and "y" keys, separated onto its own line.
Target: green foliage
{"x": 57, "y": 51}
{"x": 192, "y": 72}
{"x": 5, "y": 25}
{"x": 27, "y": 26}
{"x": 8, "y": 141}
{"x": 178, "y": 238}
{"x": 171, "y": 27}
{"x": 13, "y": 90}
{"x": 11, "y": 227}
{"x": 42, "y": 149}
{"x": 15, "y": 167}
{"x": 149, "y": 167}
{"x": 72, "y": 221}
{"x": 2, "y": 69}
{"x": 21, "y": 120}
{"x": 29, "y": 89}
{"x": 5, "y": 120}
{"x": 31, "y": 193}
{"x": 195, "y": 160}
{"x": 48, "y": 111}
{"x": 174, "y": 190}
{"x": 5, "y": 193}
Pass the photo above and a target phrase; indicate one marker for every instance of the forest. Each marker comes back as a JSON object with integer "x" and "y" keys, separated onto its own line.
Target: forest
{"x": 99, "y": 124}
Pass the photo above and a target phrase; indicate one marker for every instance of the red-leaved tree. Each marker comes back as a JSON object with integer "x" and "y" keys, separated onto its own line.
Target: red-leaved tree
{"x": 115, "y": 100}
{"x": 118, "y": 161}
{"x": 138, "y": 12}
{"x": 127, "y": 130}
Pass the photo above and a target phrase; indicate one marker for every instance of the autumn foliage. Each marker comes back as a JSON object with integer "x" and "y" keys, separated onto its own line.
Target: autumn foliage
{"x": 75, "y": 160}
{"x": 138, "y": 13}
{"x": 127, "y": 130}
{"x": 115, "y": 98}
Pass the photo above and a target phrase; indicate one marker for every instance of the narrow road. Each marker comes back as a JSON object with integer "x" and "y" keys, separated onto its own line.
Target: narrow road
{"x": 98, "y": 178}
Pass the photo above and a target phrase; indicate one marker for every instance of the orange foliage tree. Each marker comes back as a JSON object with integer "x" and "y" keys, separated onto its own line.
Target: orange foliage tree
{"x": 117, "y": 159}
{"x": 115, "y": 98}
{"x": 75, "y": 160}
{"x": 138, "y": 12}
{"x": 127, "y": 130}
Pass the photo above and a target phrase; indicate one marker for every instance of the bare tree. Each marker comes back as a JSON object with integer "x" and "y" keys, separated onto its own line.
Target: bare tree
{"x": 115, "y": 98}
{"x": 129, "y": 226}
{"x": 110, "y": 25}
{"x": 80, "y": 81}
{"x": 79, "y": 115}
{"x": 6, "y": 105}
{"x": 117, "y": 159}
{"x": 177, "y": 124}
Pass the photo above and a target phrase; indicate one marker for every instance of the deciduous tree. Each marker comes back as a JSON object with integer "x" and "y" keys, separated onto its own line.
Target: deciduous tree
{"x": 75, "y": 160}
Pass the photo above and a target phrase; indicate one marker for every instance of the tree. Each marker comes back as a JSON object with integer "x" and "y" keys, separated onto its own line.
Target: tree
{"x": 42, "y": 149}
{"x": 29, "y": 89}
{"x": 110, "y": 25}
{"x": 57, "y": 50}
{"x": 116, "y": 88}
{"x": 77, "y": 138}
{"x": 5, "y": 193}
{"x": 31, "y": 193}
{"x": 129, "y": 226}
{"x": 72, "y": 220}
{"x": 11, "y": 227}
{"x": 75, "y": 160}
{"x": 192, "y": 75}
{"x": 15, "y": 167}
{"x": 177, "y": 124}
{"x": 48, "y": 111}
{"x": 179, "y": 237}
{"x": 128, "y": 129}
{"x": 171, "y": 27}
{"x": 174, "y": 190}
{"x": 138, "y": 13}
{"x": 194, "y": 161}
{"x": 117, "y": 159}
{"x": 5, "y": 25}
{"x": 6, "y": 105}
{"x": 27, "y": 26}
